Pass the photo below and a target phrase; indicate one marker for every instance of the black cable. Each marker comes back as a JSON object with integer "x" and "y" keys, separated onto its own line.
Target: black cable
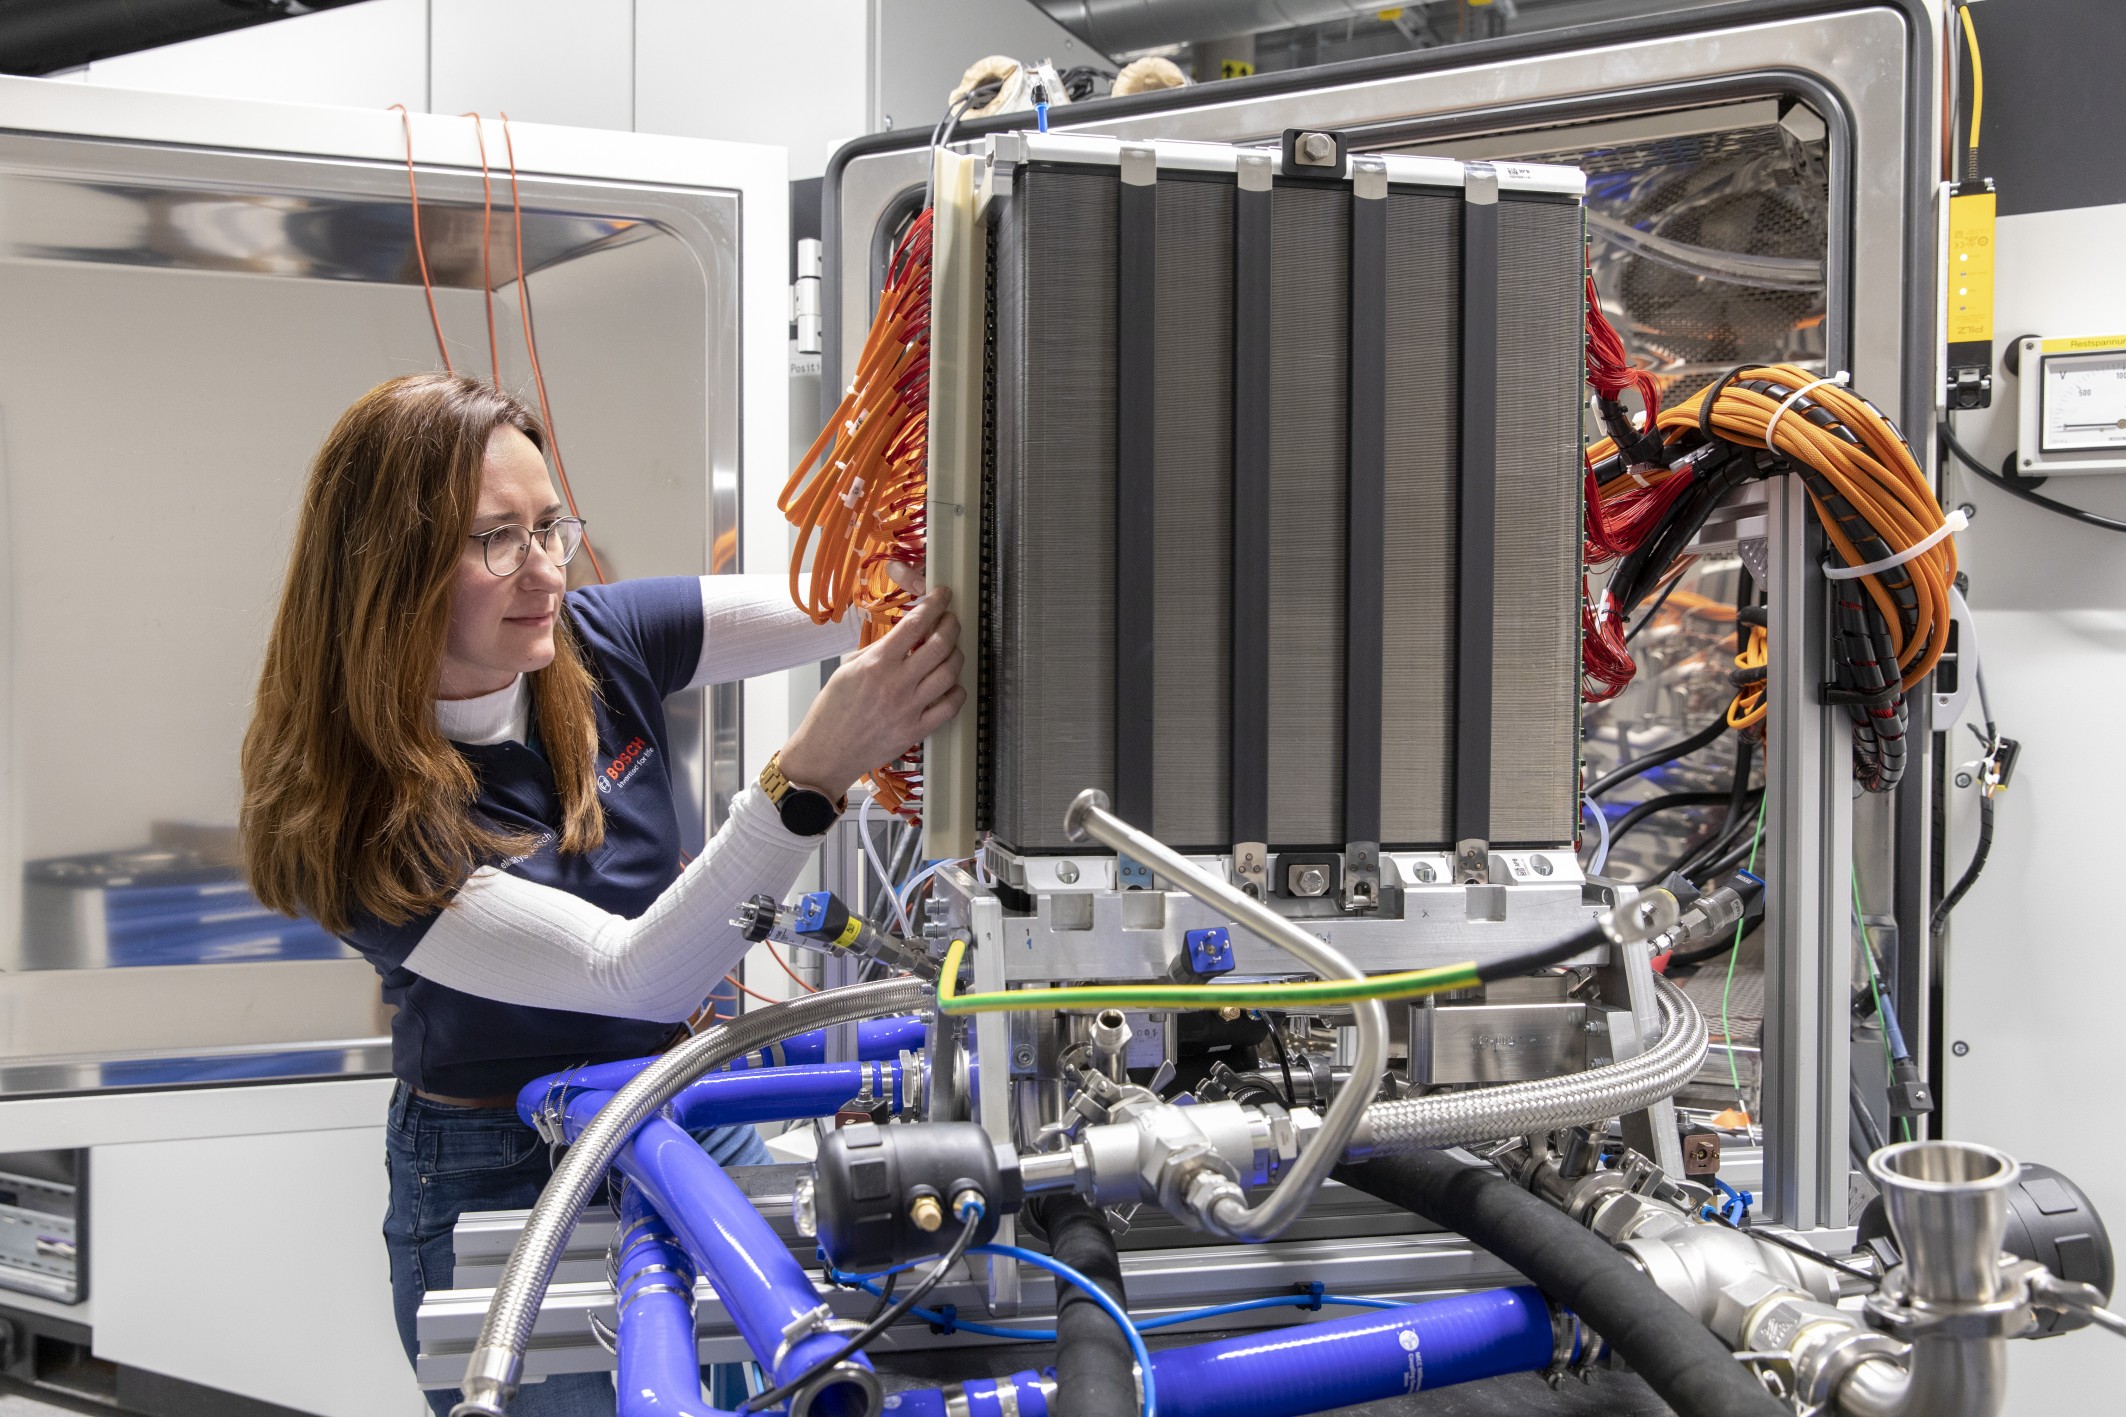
{"x": 1728, "y": 860}
{"x": 885, "y": 1296}
{"x": 1681, "y": 748}
{"x": 1788, "y": 1242}
{"x": 1672, "y": 802}
{"x": 1969, "y": 878}
{"x": 961, "y": 1243}
{"x": 1284, "y": 1059}
{"x": 1737, "y": 821}
{"x": 1655, "y": 608}
{"x": 2015, "y": 488}
{"x": 1864, "y": 1117}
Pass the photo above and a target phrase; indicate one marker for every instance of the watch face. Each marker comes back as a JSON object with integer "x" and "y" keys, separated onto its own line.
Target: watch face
{"x": 807, "y": 813}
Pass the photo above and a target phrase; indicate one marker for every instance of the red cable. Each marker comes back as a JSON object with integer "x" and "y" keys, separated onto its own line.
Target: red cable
{"x": 531, "y": 346}
{"x": 420, "y": 251}
{"x": 487, "y": 240}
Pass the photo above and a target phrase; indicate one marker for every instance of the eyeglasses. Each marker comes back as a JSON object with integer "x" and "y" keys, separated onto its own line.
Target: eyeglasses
{"x": 505, "y": 548}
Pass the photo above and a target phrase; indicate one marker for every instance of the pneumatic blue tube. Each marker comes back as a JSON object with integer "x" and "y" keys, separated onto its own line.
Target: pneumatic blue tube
{"x": 764, "y": 1095}
{"x": 660, "y": 1366}
{"x": 762, "y": 1286}
{"x": 1315, "y": 1367}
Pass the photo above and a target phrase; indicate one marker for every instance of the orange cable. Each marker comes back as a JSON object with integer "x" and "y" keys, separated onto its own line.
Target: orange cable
{"x": 749, "y": 993}
{"x": 531, "y": 346}
{"x": 420, "y": 251}
{"x": 487, "y": 242}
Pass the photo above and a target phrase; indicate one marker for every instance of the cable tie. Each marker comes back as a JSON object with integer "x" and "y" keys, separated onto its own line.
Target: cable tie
{"x": 947, "y": 1319}
{"x": 1955, "y": 522}
{"x": 1841, "y": 378}
{"x": 1313, "y": 1291}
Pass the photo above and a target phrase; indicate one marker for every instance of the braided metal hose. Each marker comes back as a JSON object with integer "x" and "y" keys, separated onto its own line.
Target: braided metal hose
{"x": 497, "y": 1360}
{"x": 1515, "y": 1109}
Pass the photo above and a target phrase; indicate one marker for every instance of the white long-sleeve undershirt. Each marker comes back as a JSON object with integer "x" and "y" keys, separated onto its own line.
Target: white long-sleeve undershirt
{"x": 503, "y": 937}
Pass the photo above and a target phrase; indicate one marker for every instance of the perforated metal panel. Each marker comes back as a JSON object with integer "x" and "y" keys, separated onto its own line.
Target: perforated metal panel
{"x": 1050, "y": 627}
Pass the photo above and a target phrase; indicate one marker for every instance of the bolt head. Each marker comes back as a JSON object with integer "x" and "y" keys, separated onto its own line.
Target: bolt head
{"x": 1960, "y": 1048}
{"x": 1317, "y": 147}
{"x": 1067, "y": 872}
{"x": 1312, "y": 881}
{"x": 1425, "y": 872}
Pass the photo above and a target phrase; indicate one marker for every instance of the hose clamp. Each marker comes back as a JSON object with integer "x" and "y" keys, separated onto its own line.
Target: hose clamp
{"x": 1896, "y": 1313}
{"x": 1574, "y": 1348}
{"x": 819, "y": 1320}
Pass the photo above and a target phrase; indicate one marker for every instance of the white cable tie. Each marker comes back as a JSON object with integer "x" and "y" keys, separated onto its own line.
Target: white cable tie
{"x": 854, "y": 494}
{"x": 1840, "y": 378}
{"x": 1955, "y": 522}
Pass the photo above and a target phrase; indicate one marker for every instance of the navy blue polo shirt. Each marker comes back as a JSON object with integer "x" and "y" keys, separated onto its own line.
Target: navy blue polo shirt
{"x": 641, "y": 640}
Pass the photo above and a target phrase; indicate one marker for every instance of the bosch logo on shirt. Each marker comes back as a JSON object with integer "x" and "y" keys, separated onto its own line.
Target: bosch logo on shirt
{"x": 625, "y": 764}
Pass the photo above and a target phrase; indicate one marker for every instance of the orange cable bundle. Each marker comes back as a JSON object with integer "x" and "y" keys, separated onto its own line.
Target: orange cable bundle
{"x": 858, "y": 499}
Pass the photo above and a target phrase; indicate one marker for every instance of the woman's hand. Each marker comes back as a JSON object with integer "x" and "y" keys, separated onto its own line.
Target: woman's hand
{"x": 882, "y": 701}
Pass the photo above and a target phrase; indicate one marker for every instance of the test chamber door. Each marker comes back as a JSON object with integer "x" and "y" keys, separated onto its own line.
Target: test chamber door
{"x": 1761, "y": 188}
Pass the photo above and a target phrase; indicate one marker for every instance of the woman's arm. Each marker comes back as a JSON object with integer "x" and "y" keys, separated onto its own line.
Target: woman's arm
{"x": 510, "y": 939}
{"x": 750, "y": 626}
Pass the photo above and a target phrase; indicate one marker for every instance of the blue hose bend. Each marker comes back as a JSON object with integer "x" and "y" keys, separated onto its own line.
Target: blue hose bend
{"x": 763, "y": 1288}
{"x": 879, "y": 1040}
{"x": 1315, "y": 1367}
{"x": 763, "y": 1095}
{"x": 660, "y": 1365}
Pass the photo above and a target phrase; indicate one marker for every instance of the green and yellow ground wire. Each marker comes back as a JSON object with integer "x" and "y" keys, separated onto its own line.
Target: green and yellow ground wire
{"x": 1294, "y": 994}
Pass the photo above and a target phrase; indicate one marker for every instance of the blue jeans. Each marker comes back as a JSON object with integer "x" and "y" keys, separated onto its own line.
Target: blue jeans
{"x": 444, "y": 1161}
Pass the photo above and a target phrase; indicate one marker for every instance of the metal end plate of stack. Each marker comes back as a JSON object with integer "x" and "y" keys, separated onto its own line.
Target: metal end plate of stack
{"x": 1050, "y": 601}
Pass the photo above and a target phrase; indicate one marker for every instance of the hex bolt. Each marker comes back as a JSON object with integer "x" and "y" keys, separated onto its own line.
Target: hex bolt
{"x": 927, "y": 1214}
{"x": 1312, "y": 881}
{"x": 1317, "y": 147}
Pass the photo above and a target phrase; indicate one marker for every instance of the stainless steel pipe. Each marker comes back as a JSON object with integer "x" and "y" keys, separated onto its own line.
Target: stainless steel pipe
{"x": 1516, "y": 1109}
{"x": 497, "y": 1361}
{"x": 1088, "y": 817}
{"x": 1948, "y": 1205}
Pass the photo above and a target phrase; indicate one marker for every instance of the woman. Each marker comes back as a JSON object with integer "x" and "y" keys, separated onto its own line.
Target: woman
{"x": 464, "y": 772}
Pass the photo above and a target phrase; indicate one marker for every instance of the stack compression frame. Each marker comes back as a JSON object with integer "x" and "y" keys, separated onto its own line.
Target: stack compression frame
{"x": 1165, "y": 317}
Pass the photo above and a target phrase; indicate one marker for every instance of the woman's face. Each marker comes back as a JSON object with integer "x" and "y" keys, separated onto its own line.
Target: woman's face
{"x": 503, "y": 626}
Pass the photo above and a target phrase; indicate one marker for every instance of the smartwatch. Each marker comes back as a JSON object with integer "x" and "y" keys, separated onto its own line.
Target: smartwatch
{"x": 805, "y": 811}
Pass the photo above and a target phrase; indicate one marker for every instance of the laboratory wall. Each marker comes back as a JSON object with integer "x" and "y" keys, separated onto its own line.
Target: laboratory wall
{"x": 2033, "y": 957}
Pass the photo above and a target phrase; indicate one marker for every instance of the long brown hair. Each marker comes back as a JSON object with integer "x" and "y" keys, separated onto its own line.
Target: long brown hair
{"x": 354, "y": 802}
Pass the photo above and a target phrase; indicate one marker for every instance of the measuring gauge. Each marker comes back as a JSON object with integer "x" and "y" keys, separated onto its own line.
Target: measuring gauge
{"x": 2071, "y": 410}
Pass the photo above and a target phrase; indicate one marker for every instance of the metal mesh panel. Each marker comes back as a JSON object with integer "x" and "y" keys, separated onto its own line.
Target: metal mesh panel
{"x": 1536, "y": 644}
{"x": 1055, "y": 501}
{"x": 1424, "y": 402}
{"x": 1191, "y": 791}
{"x": 1310, "y": 358}
{"x": 1754, "y": 191}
